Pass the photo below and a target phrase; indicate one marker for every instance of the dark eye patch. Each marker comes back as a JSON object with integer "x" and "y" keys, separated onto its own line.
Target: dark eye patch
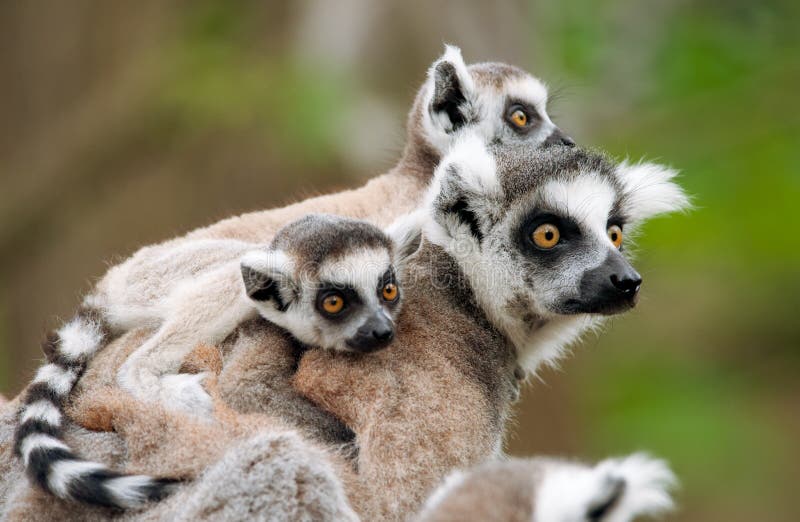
{"x": 616, "y": 219}
{"x": 567, "y": 227}
{"x": 533, "y": 116}
{"x": 569, "y": 231}
{"x": 386, "y": 278}
{"x": 351, "y": 300}
{"x": 389, "y": 278}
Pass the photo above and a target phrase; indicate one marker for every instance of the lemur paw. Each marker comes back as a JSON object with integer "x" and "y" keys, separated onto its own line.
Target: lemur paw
{"x": 185, "y": 393}
{"x": 615, "y": 490}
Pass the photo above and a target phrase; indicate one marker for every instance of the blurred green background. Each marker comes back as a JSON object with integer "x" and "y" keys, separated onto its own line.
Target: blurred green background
{"x": 124, "y": 123}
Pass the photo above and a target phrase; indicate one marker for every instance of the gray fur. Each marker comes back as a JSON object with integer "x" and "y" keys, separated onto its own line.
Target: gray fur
{"x": 554, "y": 490}
{"x": 196, "y": 304}
{"x": 132, "y": 294}
{"x": 486, "y": 206}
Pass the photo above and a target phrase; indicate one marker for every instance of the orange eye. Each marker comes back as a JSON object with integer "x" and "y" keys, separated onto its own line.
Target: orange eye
{"x": 333, "y": 304}
{"x": 546, "y": 236}
{"x": 390, "y": 292}
{"x": 519, "y": 118}
{"x": 615, "y": 235}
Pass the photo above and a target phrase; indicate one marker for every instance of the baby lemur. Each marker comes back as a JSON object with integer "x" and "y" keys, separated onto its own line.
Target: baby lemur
{"x": 329, "y": 281}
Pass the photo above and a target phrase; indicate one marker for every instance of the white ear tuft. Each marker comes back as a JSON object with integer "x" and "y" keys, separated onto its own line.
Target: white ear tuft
{"x": 469, "y": 165}
{"x": 464, "y": 192}
{"x": 267, "y": 275}
{"x": 449, "y": 92}
{"x": 406, "y": 233}
{"x": 452, "y": 55}
{"x": 475, "y": 165}
{"x": 650, "y": 191}
{"x": 267, "y": 262}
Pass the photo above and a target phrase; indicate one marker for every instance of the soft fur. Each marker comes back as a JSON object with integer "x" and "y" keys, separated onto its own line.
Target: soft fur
{"x": 417, "y": 412}
{"x": 279, "y": 282}
{"x": 553, "y": 490}
{"x": 455, "y": 99}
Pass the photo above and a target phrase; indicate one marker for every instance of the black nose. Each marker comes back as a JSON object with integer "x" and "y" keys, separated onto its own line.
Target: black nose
{"x": 376, "y": 333}
{"x": 383, "y": 335}
{"x": 627, "y": 283}
{"x": 558, "y": 138}
{"x": 610, "y": 288}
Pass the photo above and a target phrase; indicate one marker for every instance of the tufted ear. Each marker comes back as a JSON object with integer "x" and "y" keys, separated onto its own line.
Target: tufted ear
{"x": 406, "y": 233}
{"x": 649, "y": 190}
{"x": 451, "y": 90}
{"x": 465, "y": 195}
{"x": 267, "y": 276}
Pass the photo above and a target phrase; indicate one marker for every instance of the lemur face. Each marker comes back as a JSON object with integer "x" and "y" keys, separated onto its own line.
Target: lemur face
{"x": 498, "y": 102}
{"x": 541, "y": 235}
{"x": 331, "y": 282}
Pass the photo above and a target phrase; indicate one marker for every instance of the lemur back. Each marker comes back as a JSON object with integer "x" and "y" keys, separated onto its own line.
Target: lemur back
{"x": 330, "y": 281}
{"x": 496, "y": 102}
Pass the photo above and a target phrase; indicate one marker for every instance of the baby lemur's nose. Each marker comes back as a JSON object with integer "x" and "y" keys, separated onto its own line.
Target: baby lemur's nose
{"x": 376, "y": 333}
{"x": 628, "y": 282}
{"x": 383, "y": 335}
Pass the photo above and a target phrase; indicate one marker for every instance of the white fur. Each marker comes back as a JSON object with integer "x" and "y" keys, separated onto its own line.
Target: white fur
{"x": 569, "y": 490}
{"x": 63, "y": 472}
{"x": 648, "y": 483}
{"x": 57, "y": 378}
{"x": 361, "y": 269}
{"x": 42, "y": 410}
{"x": 437, "y": 126}
{"x": 39, "y": 441}
{"x": 128, "y": 490}
{"x": 486, "y": 105}
{"x": 492, "y": 279}
{"x": 406, "y": 232}
{"x": 650, "y": 191}
{"x": 184, "y": 392}
{"x": 533, "y": 92}
{"x": 450, "y": 483}
{"x": 587, "y": 199}
{"x": 551, "y": 342}
{"x": 79, "y": 338}
{"x": 268, "y": 262}
{"x": 476, "y": 167}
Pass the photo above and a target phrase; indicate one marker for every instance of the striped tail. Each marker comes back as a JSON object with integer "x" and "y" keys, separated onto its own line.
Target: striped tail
{"x": 48, "y": 460}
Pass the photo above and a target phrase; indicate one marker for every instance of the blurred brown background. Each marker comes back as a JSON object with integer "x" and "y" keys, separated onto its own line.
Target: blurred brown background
{"x": 125, "y": 123}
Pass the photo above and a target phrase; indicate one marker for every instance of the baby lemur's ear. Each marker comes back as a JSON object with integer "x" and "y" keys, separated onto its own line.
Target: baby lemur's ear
{"x": 406, "y": 233}
{"x": 465, "y": 196}
{"x": 451, "y": 91}
{"x": 649, "y": 190}
{"x": 267, "y": 276}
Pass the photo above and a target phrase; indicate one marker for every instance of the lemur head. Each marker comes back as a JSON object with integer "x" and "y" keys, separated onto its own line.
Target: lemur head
{"x": 331, "y": 281}
{"x": 497, "y": 102}
{"x": 541, "y": 235}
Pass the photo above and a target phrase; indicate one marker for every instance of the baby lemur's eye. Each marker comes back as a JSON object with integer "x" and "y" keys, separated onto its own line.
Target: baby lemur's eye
{"x": 390, "y": 292}
{"x": 519, "y": 118}
{"x": 546, "y": 236}
{"x": 615, "y": 235}
{"x": 333, "y": 303}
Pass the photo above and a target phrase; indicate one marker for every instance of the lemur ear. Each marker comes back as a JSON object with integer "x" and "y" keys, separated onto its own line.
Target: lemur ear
{"x": 267, "y": 276}
{"x": 649, "y": 190}
{"x": 465, "y": 194}
{"x": 406, "y": 233}
{"x": 452, "y": 88}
